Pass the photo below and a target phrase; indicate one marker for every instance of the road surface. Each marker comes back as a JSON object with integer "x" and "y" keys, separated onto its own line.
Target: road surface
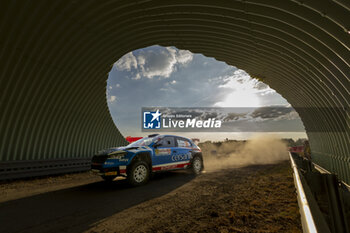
{"x": 258, "y": 198}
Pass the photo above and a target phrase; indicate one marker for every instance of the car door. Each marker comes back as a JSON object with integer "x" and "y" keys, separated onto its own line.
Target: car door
{"x": 183, "y": 153}
{"x": 163, "y": 154}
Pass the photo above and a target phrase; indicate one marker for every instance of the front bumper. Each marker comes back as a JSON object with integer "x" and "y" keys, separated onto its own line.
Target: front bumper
{"x": 109, "y": 171}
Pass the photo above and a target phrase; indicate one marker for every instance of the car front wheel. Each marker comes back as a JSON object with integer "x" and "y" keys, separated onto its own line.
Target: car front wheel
{"x": 138, "y": 173}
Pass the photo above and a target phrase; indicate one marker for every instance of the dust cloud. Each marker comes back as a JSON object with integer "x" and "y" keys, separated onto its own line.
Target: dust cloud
{"x": 258, "y": 150}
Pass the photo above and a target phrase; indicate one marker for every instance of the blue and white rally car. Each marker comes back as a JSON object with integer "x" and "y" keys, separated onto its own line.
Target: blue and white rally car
{"x": 154, "y": 153}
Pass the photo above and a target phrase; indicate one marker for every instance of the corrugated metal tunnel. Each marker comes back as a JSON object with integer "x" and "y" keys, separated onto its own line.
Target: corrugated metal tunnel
{"x": 56, "y": 55}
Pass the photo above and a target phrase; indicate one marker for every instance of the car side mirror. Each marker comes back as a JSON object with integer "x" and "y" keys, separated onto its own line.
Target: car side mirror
{"x": 157, "y": 145}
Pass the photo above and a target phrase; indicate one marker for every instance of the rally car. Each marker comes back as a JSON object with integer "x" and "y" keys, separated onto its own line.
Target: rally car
{"x": 155, "y": 153}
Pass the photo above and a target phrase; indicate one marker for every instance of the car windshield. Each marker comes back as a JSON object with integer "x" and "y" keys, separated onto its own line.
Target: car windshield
{"x": 143, "y": 142}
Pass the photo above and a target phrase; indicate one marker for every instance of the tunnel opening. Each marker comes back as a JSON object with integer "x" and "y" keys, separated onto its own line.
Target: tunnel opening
{"x": 170, "y": 77}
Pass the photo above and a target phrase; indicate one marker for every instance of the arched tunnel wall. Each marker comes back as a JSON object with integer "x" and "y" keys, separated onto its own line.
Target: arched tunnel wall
{"x": 56, "y": 55}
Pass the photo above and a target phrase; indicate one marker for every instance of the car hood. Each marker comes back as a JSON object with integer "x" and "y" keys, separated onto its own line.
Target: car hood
{"x": 113, "y": 149}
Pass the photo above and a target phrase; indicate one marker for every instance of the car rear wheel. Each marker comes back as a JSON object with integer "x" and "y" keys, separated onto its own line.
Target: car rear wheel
{"x": 138, "y": 173}
{"x": 197, "y": 165}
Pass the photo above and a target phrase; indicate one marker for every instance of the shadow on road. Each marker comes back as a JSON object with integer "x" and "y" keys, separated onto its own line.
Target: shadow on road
{"x": 77, "y": 209}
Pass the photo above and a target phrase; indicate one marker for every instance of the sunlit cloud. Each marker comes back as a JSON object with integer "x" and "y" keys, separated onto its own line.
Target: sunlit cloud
{"x": 242, "y": 90}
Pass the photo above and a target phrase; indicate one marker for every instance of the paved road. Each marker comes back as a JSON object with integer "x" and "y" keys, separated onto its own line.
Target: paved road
{"x": 76, "y": 209}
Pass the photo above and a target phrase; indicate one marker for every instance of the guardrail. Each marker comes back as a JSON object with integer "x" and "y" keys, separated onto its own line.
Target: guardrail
{"x": 325, "y": 171}
{"x": 307, "y": 219}
{"x": 318, "y": 189}
{"x": 34, "y": 168}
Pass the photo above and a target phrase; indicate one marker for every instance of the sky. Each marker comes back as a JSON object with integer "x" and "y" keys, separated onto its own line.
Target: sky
{"x": 169, "y": 77}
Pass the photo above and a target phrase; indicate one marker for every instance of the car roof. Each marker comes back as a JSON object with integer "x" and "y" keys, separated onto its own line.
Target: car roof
{"x": 169, "y": 135}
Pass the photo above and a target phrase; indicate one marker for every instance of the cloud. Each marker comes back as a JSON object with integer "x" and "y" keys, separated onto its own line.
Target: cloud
{"x": 271, "y": 112}
{"x": 267, "y": 113}
{"x": 165, "y": 89}
{"x": 184, "y": 56}
{"x": 168, "y": 86}
{"x": 112, "y": 98}
{"x": 137, "y": 76}
{"x": 154, "y": 61}
{"x": 242, "y": 90}
{"x": 242, "y": 80}
{"x": 157, "y": 64}
{"x": 261, "y": 86}
{"x": 232, "y": 116}
{"x": 164, "y": 62}
{"x": 171, "y": 83}
{"x": 127, "y": 62}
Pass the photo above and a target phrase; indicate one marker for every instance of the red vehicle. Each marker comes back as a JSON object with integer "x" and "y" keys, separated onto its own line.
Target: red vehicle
{"x": 132, "y": 139}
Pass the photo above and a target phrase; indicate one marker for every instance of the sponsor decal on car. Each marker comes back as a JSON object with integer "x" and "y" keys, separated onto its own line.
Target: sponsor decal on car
{"x": 124, "y": 160}
{"x": 163, "y": 151}
{"x": 109, "y": 163}
{"x": 181, "y": 157}
{"x": 170, "y": 166}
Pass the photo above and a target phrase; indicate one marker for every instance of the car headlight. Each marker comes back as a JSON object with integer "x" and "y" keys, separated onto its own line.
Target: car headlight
{"x": 117, "y": 155}
{"x": 108, "y": 163}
